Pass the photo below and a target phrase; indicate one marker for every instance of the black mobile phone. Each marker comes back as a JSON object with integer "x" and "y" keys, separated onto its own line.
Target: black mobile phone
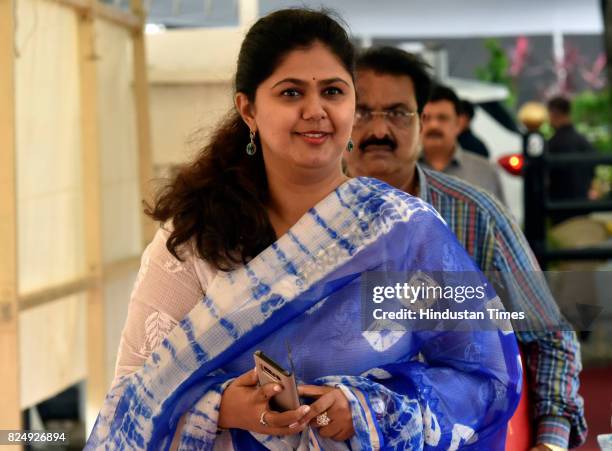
{"x": 270, "y": 371}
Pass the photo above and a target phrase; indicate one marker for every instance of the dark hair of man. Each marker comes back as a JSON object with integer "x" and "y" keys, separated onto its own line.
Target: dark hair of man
{"x": 219, "y": 200}
{"x": 467, "y": 109}
{"x": 441, "y": 92}
{"x": 394, "y": 61}
{"x": 560, "y": 105}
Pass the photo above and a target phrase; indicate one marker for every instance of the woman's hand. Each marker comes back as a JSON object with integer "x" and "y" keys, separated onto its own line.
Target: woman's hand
{"x": 243, "y": 403}
{"x": 334, "y": 404}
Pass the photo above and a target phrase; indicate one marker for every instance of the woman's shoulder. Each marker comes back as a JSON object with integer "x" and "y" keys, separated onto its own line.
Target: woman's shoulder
{"x": 188, "y": 260}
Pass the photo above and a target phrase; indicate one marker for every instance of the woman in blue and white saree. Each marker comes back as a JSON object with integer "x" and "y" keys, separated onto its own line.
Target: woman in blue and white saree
{"x": 373, "y": 383}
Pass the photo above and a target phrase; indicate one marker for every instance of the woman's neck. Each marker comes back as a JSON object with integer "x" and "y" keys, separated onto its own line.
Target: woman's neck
{"x": 291, "y": 198}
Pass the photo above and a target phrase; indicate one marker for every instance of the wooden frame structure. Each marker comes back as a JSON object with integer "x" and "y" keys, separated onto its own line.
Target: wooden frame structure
{"x": 141, "y": 90}
{"x": 92, "y": 208}
{"x": 12, "y": 302}
{"x": 10, "y": 417}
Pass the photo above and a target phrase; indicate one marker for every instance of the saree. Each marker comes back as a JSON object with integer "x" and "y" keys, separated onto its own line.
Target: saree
{"x": 408, "y": 389}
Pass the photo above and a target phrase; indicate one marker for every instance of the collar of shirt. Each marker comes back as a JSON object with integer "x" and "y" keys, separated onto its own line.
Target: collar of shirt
{"x": 456, "y": 160}
{"x": 422, "y": 183}
{"x": 458, "y": 156}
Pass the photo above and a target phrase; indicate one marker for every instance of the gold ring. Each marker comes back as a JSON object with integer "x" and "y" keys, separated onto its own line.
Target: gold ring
{"x": 262, "y": 418}
{"x": 323, "y": 419}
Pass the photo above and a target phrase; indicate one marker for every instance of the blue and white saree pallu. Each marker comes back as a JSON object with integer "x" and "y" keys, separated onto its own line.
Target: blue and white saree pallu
{"x": 407, "y": 389}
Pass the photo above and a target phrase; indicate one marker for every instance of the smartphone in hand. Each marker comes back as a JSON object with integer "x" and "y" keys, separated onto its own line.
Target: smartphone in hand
{"x": 269, "y": 371}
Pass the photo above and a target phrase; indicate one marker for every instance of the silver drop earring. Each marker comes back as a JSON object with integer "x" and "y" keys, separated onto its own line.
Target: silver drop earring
{"x": 250, "y": 147}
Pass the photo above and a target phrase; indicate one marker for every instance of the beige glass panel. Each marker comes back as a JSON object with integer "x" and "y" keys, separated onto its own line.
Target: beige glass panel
{"x": 49, "y": 184}
{"x": 52, "y": 348}
{"x": 121, "y": 205}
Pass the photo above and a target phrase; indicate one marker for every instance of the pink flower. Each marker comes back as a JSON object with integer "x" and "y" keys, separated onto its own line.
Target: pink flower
{"x": 519, "y": 56}
{"x": 594, "y": 77}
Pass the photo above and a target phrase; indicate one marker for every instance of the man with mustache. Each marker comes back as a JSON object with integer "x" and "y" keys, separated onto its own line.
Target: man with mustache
{"x": 392, "y": 90}
{"x": 441, "y": 126}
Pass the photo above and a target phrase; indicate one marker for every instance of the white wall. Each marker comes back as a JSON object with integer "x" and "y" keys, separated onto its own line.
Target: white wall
{"x": 190, "y": 75}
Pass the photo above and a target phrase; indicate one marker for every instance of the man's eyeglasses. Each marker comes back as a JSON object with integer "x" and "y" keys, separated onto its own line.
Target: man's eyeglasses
{"x": 397, "y": 117}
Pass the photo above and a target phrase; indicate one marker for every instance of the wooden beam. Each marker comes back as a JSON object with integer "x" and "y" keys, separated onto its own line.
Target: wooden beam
{"x": 118, "y": 16}
{"x": 121, "y": 268}
{"x": 92, "y": 209}
{"x": 110, "y": 13}
{"x": 51, "y": 294}
{"x": 141, "y": 97}
{"x": 10, "y": 412}
{"x": 81, "y": 7}
{"x": 112, "y": 271}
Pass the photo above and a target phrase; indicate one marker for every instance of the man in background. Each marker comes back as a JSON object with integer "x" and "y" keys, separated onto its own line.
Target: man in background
{"x": 393, "y": 87}
{"x": 467, "y": 139}
{"x": 572, "y": 183}
{"x": 442, "y": 152}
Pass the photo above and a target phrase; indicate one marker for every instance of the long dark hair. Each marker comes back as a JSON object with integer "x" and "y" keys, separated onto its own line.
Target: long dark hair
{"x": 219, "y": 199}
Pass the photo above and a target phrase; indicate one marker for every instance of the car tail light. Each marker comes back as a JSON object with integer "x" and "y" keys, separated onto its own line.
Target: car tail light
{"x": 513, "y": 163}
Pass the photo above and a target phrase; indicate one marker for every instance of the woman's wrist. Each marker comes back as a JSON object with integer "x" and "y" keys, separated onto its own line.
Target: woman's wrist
{"x": 224, "y": 420}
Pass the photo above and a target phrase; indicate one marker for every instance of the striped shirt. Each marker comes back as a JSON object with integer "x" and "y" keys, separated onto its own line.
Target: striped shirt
{"x": 496, "y": 243}
{"x": 474, "y": 169}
